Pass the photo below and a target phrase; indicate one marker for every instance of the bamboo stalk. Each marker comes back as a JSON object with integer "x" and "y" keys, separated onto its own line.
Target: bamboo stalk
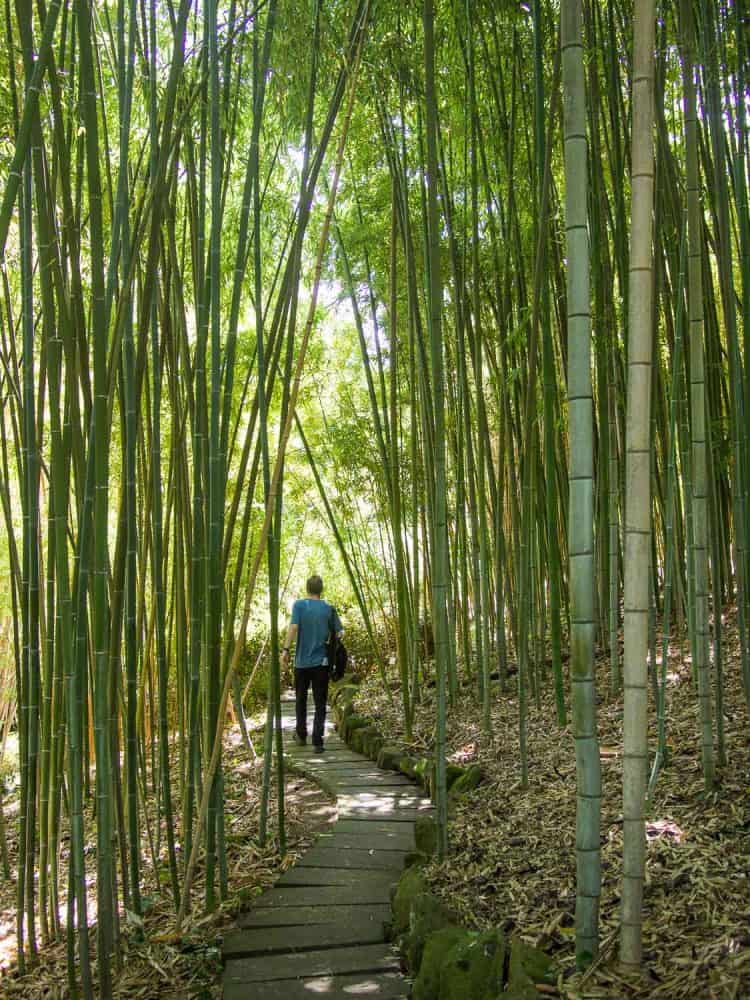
{"x": 638, "y": 461}
{"x": 211, "y": 768}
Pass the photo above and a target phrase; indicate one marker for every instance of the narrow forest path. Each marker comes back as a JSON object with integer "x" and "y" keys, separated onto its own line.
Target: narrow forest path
{"x": 319, "y": 930}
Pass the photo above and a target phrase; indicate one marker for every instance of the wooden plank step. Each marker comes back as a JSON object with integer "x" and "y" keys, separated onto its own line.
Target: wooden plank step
{"x": 364, "y": 984}
{"x": 365, "y": 840}
{"x": 301, "y": 755}
{"x": 289, "y": 729}
{"x": 355, "y": 765}
{"x": 366, "y": 780}
{"x": 405, "y": 816}
{"x": 370, "y": 828}
{"x": 377, "y": 958}
{"x": 331, "y": 745}
{"x": 287, "y": 916}
{"x": 345, "y": 788}
{"x": 354, "y": 859}
{"x": 410, "y": 808}
{"x": 364, "y": 777}
{"x": 409, "y": 797}
{"x": 301, "y": 875}
{"x": 330, "y": 759}
{"x": 382, "y": 804}
{"x": 281, "y": 940}
{"x": 358, "y": 894}
{"x": 312, "y": 769}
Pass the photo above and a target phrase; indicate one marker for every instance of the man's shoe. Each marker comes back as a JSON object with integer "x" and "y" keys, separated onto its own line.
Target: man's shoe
{"x": 319, "y": 748}
{"x": 301, "y": 741}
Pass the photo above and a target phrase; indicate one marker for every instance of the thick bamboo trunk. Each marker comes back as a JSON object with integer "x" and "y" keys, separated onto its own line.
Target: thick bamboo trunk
{"x": 697, "y": 399}
{"x": 637, "y": 483}
{"x": 581, "y": 524}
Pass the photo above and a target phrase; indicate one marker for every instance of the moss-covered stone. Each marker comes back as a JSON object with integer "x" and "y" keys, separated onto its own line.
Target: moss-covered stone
{"x": 353, "y": 722}
{"x": 437, "y": 948}
{"x": 427, "y": 915}
{"x": 342, "y": 704}
{"x": 360, "y": 735}
{"x": 411, "y": 884}
{"x": 343, "y": 694}
{"x": 523, "y": 991}
{"x": 426, "y": 835}
{"x": 389, "y": 757}
{"x": 344, "y": 709}
{"x": 408, "y": 765}
{"x": 372, "y": 742}
{"x": 528, "y": 965}
{"x": 473, "y": 968}
{"x": 467, "y": 781}
{"x": 415, "y": 858}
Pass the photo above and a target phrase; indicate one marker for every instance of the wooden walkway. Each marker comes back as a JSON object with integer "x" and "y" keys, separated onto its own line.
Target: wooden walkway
{"x": 319, "y": 931}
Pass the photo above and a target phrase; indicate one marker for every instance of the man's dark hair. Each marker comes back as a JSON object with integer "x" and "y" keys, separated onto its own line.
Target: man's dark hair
{"x": 315, "y": 585}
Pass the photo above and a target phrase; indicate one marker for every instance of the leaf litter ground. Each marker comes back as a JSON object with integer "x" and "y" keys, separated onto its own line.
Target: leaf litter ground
{"x": 512, "y": 851}
{"x": 156, "y": 962}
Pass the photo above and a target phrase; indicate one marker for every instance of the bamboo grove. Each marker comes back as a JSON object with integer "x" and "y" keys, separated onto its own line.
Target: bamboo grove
{"x": 537, "y": 217}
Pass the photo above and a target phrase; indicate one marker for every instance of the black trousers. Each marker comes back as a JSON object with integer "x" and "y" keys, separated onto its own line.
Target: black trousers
{"x": 318, "y": 678}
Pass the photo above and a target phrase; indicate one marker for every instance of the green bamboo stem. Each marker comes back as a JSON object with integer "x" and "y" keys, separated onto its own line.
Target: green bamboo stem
{"x": 360, "y": 22}
{"x": 440, "y": 572}
{"x": 697, "y": 401}
{"x": 638, "y": 463}
{"x": 661, "y": 755}
{"x": 581, "y": 524}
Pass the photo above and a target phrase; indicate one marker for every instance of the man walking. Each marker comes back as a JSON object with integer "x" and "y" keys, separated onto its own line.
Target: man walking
{"x": 313, "y": 620}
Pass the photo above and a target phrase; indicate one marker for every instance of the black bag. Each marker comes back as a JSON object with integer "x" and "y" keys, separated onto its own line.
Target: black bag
{"x": 336, "y": 653}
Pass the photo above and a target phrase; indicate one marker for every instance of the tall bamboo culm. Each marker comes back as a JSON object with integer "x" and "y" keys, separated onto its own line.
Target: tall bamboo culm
{"x": 581, "y": 507}
{"x": 638, "y": 483}
{"x": 440, "y": 527}
{"x": 699, "y": 580}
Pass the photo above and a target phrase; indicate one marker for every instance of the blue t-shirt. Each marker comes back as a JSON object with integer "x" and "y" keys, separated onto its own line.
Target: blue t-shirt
{"x": 312, "y": 616}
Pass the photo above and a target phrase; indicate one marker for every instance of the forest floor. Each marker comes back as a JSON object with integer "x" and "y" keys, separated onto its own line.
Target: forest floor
{"x": 512, "y": 852}
{"x": 157, "y": 963}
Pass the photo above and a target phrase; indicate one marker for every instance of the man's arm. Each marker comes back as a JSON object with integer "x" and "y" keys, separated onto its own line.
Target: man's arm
{"x": 291, "y": 637}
